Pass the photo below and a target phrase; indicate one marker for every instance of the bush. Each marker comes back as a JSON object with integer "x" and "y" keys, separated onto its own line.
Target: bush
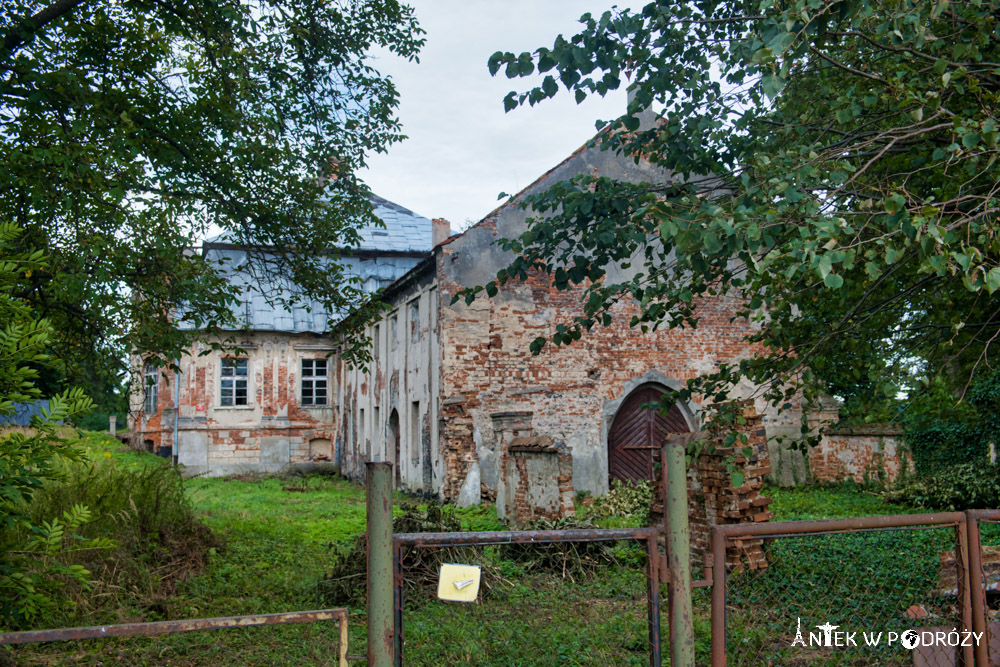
{"x": 152, "y": 538}
{"x": 98, "y": 421}
{"x": 955, "y": 488}
{"x": 941, "y": 431}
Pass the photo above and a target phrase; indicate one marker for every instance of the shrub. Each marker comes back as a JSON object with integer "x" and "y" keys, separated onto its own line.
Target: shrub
{"x": 942, "y": 431}
{"x": 152, "y": 537}
{"x": 956, "y": 488}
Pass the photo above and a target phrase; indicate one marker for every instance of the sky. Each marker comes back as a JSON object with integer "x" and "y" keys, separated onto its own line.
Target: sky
{"x": 463, "y": 150}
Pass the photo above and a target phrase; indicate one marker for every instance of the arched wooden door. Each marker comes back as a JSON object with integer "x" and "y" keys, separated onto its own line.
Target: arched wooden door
{"x": 637, "y": 432}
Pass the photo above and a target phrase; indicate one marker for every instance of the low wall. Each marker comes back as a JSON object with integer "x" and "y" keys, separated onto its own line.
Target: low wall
{"x": 538, "y": 481}
{"x": 713, "y": 500}
{"x": 862, "y": 454}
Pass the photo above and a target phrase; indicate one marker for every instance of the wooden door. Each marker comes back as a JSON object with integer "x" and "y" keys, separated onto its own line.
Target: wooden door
{"x": 637, "y": 432}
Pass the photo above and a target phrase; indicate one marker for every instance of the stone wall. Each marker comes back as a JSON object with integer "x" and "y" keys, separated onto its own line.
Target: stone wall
{"x": 869, "y": 453}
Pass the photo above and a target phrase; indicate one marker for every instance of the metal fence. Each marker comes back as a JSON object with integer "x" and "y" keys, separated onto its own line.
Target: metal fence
{"x": 187, "y": 625}
{"x": 887, "y": 590}
{"x": 473, "y": 545}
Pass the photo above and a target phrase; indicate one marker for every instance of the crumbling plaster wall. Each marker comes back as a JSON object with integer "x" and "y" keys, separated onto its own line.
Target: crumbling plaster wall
{"x": 273, "y": 431}
{"x": 402, "y": 377}
{"x": 486, "y": 366}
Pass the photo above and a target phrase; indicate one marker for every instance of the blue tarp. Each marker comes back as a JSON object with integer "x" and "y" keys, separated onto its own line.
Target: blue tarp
{"x": 23, "y": 412}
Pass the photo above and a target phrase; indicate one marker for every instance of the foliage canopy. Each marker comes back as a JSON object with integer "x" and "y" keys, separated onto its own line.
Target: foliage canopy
{"x": 130, "y": 130}
{"x": 836, "y": 166}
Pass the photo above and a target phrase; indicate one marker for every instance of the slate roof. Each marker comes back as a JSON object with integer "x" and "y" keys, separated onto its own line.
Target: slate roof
{"x": 379, "y": 264}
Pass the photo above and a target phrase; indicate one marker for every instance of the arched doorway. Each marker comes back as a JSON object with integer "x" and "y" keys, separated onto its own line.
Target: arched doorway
{"x": 393, "y": 442}
{"x": 636, "y": 433}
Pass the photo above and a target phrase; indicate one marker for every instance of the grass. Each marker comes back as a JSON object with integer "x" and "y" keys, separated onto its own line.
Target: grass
{"x": 279, "y": 535}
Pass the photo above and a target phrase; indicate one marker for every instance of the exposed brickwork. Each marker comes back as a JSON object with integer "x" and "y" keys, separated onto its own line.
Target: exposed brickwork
{"x": 485, "y": 358}
{"x": 712, "y": 499}
{"x": 538, "y": 480}
{"x": 870, "y": 453}
{"x": 271, "y": 431}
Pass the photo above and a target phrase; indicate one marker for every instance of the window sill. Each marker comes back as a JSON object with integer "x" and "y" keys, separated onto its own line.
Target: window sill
{"x": 233, "y": 407}
{"x": 317, "y": 407}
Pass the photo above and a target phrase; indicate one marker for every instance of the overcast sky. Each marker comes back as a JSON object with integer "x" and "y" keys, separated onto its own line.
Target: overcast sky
{"x": 463, "y": 150}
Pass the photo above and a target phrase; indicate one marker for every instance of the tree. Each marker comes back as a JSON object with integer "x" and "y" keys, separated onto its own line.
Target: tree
{"x": 130, "y": 130}
{"x": 28, "y": 459}
{"x": 836, "y": 165}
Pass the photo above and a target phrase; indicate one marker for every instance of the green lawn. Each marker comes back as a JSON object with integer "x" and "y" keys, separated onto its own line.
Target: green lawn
{"x": 278, "y": 536}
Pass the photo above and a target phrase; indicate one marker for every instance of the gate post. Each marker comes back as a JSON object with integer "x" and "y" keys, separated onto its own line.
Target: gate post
{"x": 380, "y": 570}
{"x": 975, "y": 585}
{"x": 679, "y": 550}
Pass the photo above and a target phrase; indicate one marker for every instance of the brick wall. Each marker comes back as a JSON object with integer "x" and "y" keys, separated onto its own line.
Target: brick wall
{"x": 869, "y": 453}
{"x": 538, "y": 481}
{"x": 486, "y": 365}
{"x": 713, "y": 500}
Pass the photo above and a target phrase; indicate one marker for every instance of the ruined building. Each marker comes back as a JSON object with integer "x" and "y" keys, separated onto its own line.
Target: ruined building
{"x": 453, "y": 396}
{"x": 272, "y": 402}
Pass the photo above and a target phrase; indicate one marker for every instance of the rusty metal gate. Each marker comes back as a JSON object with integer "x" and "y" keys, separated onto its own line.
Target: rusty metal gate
{"x": 917, "y": 589}
{"x": 648, "y": 536}
{"x": 188, "y": 625}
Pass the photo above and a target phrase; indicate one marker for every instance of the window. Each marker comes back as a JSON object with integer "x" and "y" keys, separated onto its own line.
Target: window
{"x": 234, "y": 382}
{"x": 152, "y": 378}
{"x": 375, "y": 342}
{"x": 415, "y": 320}
{"x": 394, "y": 330}
{"x": 415, "y": 431}
{"x": 314, "y": 382}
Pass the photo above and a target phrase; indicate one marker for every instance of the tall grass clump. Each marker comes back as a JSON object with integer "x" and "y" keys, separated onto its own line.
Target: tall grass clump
{"x": 151, "y": 538}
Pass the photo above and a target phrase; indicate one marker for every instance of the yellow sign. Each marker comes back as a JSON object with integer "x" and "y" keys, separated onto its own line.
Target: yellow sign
{"x": 459, "y": 583}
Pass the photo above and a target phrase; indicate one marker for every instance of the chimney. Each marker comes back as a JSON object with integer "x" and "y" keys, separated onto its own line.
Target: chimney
{"x": 440, "y": 231}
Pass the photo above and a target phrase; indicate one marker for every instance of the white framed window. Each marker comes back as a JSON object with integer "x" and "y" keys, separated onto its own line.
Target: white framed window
{"x": 233, "y": 389}
{"x": 314, "y": 382}
{"x": 151, "y": 377}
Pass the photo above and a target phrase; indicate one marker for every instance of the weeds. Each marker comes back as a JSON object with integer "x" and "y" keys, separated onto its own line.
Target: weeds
{"x": 139, "y": 516}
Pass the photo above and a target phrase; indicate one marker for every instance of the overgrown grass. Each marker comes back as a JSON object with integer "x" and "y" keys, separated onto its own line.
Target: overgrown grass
{"x": 278, "y": 536}
{"x": 830, "y": 502}
{"x": 141, "y": 506}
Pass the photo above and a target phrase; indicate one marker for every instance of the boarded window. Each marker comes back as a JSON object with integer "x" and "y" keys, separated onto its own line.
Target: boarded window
{"x": 233, "y": 390}
{"x": 314, "y": 382}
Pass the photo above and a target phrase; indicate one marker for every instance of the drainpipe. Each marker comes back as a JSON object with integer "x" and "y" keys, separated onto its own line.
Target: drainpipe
{"x": 177, "y": 404}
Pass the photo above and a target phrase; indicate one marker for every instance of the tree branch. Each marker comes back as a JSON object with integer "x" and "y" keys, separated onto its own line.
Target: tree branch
{"x": 24, "y": 30}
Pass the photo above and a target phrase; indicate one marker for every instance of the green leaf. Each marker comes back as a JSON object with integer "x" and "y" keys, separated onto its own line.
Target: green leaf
{"x": 833, "y": 281}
